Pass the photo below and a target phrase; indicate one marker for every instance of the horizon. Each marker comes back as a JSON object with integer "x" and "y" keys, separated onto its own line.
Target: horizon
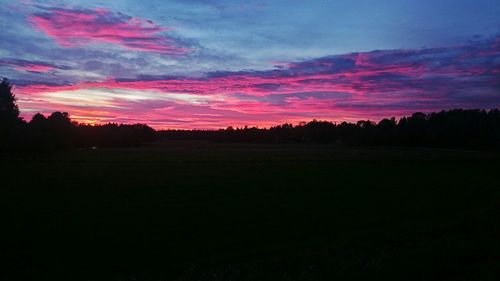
{"x": 214, "y": 64}
{"x": 299, "y": 124}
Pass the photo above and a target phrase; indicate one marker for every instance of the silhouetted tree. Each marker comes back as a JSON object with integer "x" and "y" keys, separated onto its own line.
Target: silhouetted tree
{"x": 38, "y": 134}
{"x": 38, "y": 120}
{"x": 9, "y": 116}
{"x": 9, "y": 111}
{"x": 60, "y": 129}
{"x": 386, "y": 132}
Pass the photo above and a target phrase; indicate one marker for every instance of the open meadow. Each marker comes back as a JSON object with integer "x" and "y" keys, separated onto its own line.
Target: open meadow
{"x": 186, "y": 210}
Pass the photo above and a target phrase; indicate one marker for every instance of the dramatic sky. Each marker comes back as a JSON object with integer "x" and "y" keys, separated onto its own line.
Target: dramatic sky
{"x": 212, "y": 64}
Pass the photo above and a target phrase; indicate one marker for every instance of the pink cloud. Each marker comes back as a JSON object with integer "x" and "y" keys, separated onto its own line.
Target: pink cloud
{"x": 24, "y": 65}
{"x": 34, "y": 67}
{"x": 71, "y": 28}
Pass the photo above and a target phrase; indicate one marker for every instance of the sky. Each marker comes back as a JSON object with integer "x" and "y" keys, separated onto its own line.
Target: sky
{"x": 194, "y": 64}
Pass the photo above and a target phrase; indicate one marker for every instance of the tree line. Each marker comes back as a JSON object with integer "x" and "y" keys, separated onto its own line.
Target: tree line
{"x": 460, "y": 128}
{"x": 456, "y": 128}
{"x": 57, "y": 131}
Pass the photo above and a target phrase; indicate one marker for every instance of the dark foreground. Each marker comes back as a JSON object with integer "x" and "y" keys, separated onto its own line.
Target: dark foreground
{"x": 202, "y": 211}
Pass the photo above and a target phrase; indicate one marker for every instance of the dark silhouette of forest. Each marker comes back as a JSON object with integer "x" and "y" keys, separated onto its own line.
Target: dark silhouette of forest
{"x": 458, "y": 128}
{"x": 472, "y": 128}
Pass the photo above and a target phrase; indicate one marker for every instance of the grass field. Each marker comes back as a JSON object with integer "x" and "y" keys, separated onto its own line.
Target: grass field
{"x": 205, "y": 211}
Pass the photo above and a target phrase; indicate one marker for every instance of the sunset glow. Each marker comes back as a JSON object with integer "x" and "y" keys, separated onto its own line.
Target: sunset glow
{"x": 199, "y": 65}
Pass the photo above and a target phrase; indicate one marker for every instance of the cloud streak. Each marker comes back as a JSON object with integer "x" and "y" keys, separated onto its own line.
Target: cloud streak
{"x": 26, "y": 65}
{"x": 80, "y": 27}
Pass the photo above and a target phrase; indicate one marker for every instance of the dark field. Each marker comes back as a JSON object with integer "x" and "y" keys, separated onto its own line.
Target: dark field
{"x": 203, "y": 211}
